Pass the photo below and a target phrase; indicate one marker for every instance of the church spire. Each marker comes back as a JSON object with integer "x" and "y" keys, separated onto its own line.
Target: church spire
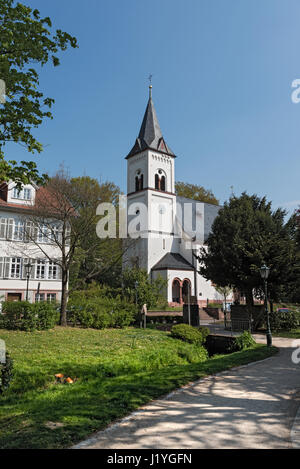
{"x": 150, "y": 135}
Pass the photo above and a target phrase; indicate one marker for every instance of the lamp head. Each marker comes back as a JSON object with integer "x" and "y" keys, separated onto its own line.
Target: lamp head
{"x": 28, "y": 268}
{"x": 264, "y": 272}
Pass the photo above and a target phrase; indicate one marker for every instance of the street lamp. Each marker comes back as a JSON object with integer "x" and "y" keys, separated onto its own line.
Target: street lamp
{"x": 28, "y": 268}
{"x": 136, "y": 285}
{"x": 264, "y": 273}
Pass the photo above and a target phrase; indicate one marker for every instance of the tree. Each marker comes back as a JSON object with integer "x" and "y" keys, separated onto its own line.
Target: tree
{"x": 96, "y": 259}
{"x": 55, "y": 216}
{"x": 192, "y": 191}
{"x": 245, "y": 235}
{"x": 138, "y": 287}
{"x": 225, "y": 292}
{"x": 65, "y": 214}
{"x": 25, "y": 40}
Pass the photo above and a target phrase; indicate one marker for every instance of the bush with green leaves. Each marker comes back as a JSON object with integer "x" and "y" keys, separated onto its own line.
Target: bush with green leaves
{"x": 138, "y": 287}
{"x": 204, "y": 331}
{"x": 100, "y": 312}
{"x": 284, "y": 320}
{"x": 244, "y": 341}
{"x": 188, "y": 333}
{"x": 25, "y": 316}
{"x": 6, "y": 373}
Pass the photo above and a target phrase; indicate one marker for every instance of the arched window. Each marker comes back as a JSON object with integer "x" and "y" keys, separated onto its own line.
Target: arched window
{"x": 160, "y": 180}
{"x": 157, "y": 182}
{"x": 139, "y": 181}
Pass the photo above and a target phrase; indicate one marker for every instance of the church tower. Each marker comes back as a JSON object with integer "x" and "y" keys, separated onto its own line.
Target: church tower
{"x": 151, "y": 200}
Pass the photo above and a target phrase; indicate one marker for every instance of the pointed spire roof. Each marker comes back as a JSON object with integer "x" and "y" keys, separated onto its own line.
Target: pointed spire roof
{"x": 150, "y": 135}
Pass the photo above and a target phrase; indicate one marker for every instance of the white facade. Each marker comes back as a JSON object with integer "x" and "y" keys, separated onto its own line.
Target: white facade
{"x": 17, "y": 249}
{"x": 169, "y": 230}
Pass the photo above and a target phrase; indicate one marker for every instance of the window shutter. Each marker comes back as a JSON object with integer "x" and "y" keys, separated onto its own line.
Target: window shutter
{"x": 28, "y": 231}
{"x": 1, "y": 266}
{"x": 24, "y": 261}
{"x": 6, "y": 267}
{"x": 58, "y": 272}
{"x": 33, "y": 262}
{"x": 3, "y": 228}
{"x": 10, "y": 228}
{"x": 68, "y": 234}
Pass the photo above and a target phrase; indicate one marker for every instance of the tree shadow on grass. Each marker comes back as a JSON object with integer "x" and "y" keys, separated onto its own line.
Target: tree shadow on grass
{"x": 95, "y": 400}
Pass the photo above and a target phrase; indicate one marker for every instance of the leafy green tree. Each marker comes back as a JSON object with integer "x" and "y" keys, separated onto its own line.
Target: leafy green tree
{"x": 225, "y": 292}
{"x": 291, "y": 286}
{"x": 26, "y": 40}
{"x": 245, "y": 235}
{"x": 193, "y": 191}
{"x": 95, "y": 259}
{"x": 138, "y": 287}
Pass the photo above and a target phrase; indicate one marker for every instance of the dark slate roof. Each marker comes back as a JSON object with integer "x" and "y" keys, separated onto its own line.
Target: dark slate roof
{"x": 150, "y": 135}
{"x": 173, "y": 261}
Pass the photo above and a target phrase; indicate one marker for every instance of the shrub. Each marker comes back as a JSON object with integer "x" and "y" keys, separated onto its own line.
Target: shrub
{"x": 244, "y": 341}
{"x": 204, "y": 331}
{"x": 24, "y": 316}
{"x": 6, "y": 373}
{"x": 100, "y": 313}
{"x": 284, "y": 320}
{"x": 187, "y": 333}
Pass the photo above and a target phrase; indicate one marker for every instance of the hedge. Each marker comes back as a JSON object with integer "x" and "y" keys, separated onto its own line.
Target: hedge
{"x": 285, "y": 320}
{"x": 100, "y": 313}
{"x": 189, "y": 333}
{"x": 25, "y": 316}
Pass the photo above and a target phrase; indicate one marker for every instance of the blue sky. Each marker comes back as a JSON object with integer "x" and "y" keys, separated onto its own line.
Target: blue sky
{"x": 222, "y": 74}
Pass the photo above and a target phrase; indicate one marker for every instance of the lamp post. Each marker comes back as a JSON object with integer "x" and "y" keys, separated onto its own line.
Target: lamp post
{"x": 28, "y": 268}
{"x": 136, "y": 285}
{"x": 264, "y": 272}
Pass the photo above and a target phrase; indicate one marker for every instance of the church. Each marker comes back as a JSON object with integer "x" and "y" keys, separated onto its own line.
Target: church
{"x": 165, "y": 232}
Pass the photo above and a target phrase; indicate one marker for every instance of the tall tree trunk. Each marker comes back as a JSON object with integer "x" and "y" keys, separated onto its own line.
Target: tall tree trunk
{"x": 64, "y": 298}
{"x": 249, "y": 297}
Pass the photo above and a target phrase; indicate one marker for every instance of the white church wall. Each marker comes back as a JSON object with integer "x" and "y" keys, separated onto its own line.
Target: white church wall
{"x": 181, "y": 275}
{"x": 134, "y": 164}
{"x": 166, "y": 164}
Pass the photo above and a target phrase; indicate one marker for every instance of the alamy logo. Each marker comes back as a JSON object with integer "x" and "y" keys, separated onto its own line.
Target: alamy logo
{"x": 296, "y": 353}
{"x": 2, "y": 352}
{"x": 2, "y": 92}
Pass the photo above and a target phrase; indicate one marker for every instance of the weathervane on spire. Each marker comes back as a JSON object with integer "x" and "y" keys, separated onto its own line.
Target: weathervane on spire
{"x": 150, "y": 85}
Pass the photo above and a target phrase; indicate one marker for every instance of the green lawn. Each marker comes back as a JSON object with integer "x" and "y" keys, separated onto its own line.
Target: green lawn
{"x": 116, "y": 370}
{"x": 293, "y": 334}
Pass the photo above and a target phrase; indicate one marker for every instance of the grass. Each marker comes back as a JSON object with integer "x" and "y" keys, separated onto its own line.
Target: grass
{"x": 293, "y": 334}
{"x": 117, "y": 371}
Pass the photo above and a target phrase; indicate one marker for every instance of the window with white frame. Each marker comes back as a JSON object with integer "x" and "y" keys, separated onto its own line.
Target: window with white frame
{"x": 16, "y": 267}
{"x": 18, "y": 230}
{"x": 51, "y": 297}
{"x": 16, "y": 193}
{"x": 43, "y": 235}
{"x": 40, "y": 269}
{"x": 39, "y": 297}
{"x": 23, "y": 194}
{"x": 27, "y": 194}
{"x": 52, "y": 270}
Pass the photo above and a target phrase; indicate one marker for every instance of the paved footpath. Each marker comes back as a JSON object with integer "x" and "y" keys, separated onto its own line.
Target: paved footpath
{"x": 247, "y": 407}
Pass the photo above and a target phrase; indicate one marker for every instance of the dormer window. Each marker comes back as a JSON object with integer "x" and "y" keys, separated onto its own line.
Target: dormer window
{"x": 24, "y": 194}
